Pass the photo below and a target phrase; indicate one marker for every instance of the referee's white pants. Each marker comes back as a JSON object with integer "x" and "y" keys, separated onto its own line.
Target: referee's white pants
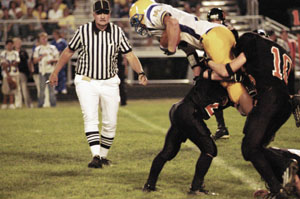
{"x": 90, "y": 92}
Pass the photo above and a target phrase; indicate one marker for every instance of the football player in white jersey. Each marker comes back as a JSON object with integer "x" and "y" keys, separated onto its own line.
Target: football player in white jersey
{"x": 172, "y": 25}
{"x": 10, "y": 73}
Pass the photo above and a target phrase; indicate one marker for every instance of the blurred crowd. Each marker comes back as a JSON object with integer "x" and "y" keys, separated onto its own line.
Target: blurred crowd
{"x": 57, "y": 12}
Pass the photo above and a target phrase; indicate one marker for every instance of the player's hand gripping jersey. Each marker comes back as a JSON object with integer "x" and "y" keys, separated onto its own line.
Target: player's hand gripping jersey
{"x": 267, "y": 62}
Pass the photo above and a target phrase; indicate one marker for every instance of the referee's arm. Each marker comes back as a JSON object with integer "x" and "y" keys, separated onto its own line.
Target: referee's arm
{"x": 137, "y": 67}
{"x": 62, "y": 61}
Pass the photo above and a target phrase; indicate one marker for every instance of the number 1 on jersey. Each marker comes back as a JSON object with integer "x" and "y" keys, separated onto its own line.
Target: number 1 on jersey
{"x": 281, "y": 73}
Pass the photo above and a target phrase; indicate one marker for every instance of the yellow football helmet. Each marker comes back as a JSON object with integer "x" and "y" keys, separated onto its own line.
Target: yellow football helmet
{"x": 136, "y": 15}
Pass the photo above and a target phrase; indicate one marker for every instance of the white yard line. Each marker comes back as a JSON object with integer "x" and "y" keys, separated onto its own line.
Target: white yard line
{"x": 236, "y": 172}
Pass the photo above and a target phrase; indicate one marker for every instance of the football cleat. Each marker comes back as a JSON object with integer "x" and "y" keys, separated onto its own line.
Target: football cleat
{"x": 221, "y": 133}
{"x": 199, "y": 192}
{"x": 95, "y": 163}
{"x": 289, "y": 176}
{"x": 296, "y": 108}
{"x": 105, "y": 161}
{"x": 280, "y": 195}
{"x": 148, "y": 188}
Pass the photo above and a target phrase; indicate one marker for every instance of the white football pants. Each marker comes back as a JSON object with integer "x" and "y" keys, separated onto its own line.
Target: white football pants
{"x": 90, "y": 92}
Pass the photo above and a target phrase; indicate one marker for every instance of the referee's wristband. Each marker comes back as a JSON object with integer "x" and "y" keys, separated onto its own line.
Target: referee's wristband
{"x": 142, "y": 73}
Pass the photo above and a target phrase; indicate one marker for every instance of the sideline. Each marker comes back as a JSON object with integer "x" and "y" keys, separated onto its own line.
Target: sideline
{"x": 218, "y": 160}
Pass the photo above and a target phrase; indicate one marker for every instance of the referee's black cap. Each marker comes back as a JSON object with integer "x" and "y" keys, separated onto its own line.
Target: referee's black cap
{"x": 101, "y": 5}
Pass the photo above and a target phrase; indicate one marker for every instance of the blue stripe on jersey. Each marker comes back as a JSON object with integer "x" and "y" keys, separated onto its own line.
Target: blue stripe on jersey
{"x": 189, "y": 30}
{"x": 149, "y": 11}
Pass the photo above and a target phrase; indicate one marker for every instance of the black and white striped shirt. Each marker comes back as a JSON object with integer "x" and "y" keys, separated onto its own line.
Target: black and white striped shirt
{"x": 98, "y": 50}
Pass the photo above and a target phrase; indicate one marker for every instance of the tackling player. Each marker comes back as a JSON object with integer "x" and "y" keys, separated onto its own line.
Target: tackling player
{"x": 270, "y": 65}
{"x": 187, "y": 122}
{"x": 153, "y": 19}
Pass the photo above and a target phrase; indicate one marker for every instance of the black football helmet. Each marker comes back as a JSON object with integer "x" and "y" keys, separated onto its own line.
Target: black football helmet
{"x": 216, "y": 14}
{"x": 261, "y": 32}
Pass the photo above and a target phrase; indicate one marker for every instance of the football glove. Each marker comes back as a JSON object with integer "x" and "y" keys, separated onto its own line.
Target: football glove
{"x": 166, "y": 51}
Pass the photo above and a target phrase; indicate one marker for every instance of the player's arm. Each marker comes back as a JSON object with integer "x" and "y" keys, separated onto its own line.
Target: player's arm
{"x": 62, "y": 61}
{"x": 173, "y": 32}
{"x": 227, "y": 70}
{"x": 137, "y": 67}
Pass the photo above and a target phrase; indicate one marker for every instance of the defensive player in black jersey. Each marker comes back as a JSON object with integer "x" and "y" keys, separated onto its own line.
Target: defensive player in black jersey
{"x": 187, "y": 122}
{"x": 270, "y": 65}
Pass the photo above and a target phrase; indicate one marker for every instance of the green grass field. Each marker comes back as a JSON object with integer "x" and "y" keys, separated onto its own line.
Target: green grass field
{"x": 44, "y": 155}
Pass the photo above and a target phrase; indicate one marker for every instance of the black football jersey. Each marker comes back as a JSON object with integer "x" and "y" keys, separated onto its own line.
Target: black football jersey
{"x": 267, "y": 62}
{"x": 207, "y": 96}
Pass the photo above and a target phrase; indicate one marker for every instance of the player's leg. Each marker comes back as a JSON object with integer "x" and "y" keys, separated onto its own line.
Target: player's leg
{"x": 89, "y": 101}
{"x": 172, "y": 144}
{"x": 42, "y": 82}
{"x": 271, "y": 111}
{"x": 109, "y": 99}
{"x": 200, "y": 135}
{"x": 171, "y": 147}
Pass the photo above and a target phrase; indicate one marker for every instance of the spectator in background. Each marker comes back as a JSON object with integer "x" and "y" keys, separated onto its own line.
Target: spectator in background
{"x": 187, "y": 8}
{"x": 67, "y": 23}
{"x": 5, "y": 16}
{"x": 54, "y": 15}
{"x": 60, "y": 43}
{"x": 30, "y": 3}
{"x": 34, "y": 70}
{"x": 283, "y": 40}
{"x": 40, "y": 14}
{"x": 9, "y": 62}
{"x": 24, "y": 73}
{"x": 1, "y": 12}
{"x": 290, "y": 46}
{"x": 16, "y": 13}
{"x": 29, "y": 31}
{"x": 46, "y": 55}
{"x": 272, "y": 35}
{"x": 70, "y": 4}
{"x": 21, "y": 4}
{"x": 5, "y": 3}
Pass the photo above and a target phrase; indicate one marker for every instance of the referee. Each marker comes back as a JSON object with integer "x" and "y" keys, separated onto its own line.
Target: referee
{"x": 98, "y": 44}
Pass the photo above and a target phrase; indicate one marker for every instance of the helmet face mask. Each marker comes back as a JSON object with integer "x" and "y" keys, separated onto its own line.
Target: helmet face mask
{"x": 137, "y": 16}
{"x": 136, "y": 22}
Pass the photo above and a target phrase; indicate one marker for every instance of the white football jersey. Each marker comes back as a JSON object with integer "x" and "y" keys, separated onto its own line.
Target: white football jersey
{"x": 294, "y": 151}
{"x": 51, "y": 53}
{"x": 10, "y": 56}
{"x": 190, "y": 26}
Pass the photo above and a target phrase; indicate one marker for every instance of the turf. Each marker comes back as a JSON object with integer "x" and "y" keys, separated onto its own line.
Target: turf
{"x": 44, "y": 155}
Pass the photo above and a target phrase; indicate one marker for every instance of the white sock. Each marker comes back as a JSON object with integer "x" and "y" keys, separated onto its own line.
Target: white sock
{"x": 95, "y": 149}
{"x": 103, "y": 152}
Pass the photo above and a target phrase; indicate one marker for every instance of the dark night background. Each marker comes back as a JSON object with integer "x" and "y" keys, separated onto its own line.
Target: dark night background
{"x": 278, "y": 9}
